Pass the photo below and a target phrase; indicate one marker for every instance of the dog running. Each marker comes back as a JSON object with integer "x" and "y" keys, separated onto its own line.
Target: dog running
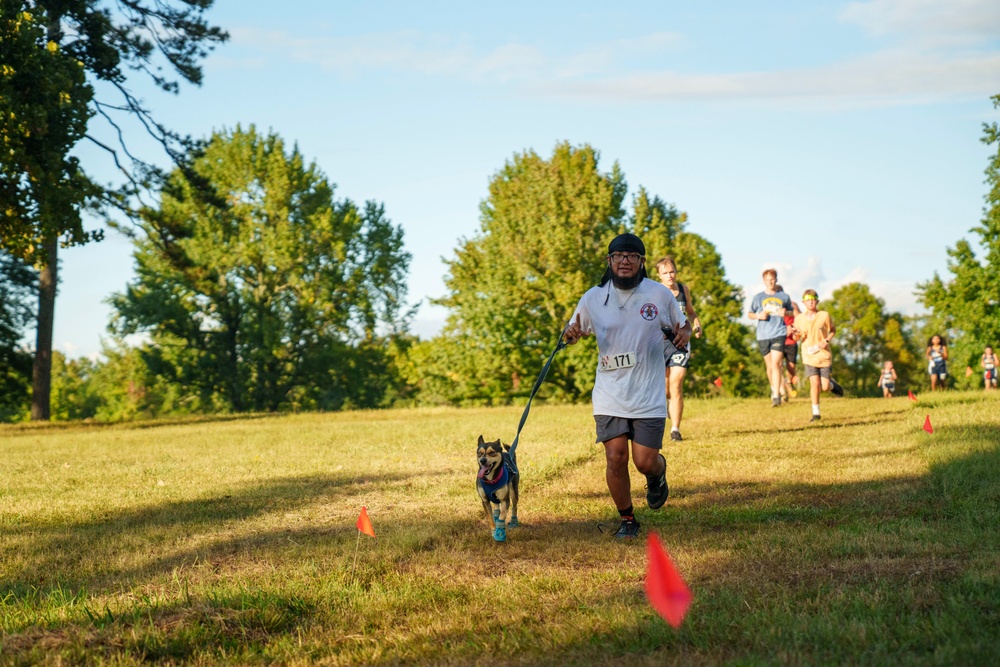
{"x": 497, "y": 485}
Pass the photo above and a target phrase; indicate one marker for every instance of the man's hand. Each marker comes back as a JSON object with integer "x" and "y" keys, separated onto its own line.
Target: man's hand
{"x": 682, "y": 335}
{"x": 574, "y": 331}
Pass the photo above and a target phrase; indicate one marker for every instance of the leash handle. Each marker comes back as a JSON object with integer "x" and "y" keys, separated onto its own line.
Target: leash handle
{"x": 534, "y": 390}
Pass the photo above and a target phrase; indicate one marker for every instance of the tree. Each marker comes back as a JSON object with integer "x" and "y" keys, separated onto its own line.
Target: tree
{"x": 966, "y": 307}
{"x": 544, "y": 233}
{"x": 723, "y": 351}
{"x": 258, "y": 289}
{"x": 16, "y": 290}
{"x": 544, "y": 230}
{"x": 46, "y": 104}
{"x": 867, "y": 336}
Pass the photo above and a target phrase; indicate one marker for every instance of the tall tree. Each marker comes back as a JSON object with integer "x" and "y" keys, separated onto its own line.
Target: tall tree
{"x": 867, "y": 336}
{"x": 17, "y": 289}
{"x": 544, "y": 230}
{"x": 258, "y": 288}
{"x": 966, "y": 307}
{"x": 723, "y": 351}
{"x": 54, "y": 51}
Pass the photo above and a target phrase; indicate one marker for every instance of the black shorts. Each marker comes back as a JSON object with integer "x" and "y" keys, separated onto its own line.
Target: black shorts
{"x": 791, "y": 352}
{"x": 771, "y": 345}
{"x": 889, "y": 386}
{"x": 647, "y": 432}
{"x": 674, "y": 357}
{"x": 823, "y": 372}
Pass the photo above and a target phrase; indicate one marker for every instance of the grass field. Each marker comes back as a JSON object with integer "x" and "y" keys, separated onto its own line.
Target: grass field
{"x": 858, "y": 540}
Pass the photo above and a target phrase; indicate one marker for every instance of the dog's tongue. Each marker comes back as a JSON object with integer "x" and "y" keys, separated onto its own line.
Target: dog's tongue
{"x": 482, "y": 471}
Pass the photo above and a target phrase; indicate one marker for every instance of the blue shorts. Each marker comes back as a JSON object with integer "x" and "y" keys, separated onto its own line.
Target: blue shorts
{"x": 940, "y": 370}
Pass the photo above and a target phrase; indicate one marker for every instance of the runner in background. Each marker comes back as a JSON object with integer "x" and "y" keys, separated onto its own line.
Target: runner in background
{"x": 989, "y": 362}
{"x": 887, "y": 380}
{"x": 790, "y": 384}
{"x": 769, "y": 308}
{"x": 937, "y": 361}
{"x": 677, "y": 360}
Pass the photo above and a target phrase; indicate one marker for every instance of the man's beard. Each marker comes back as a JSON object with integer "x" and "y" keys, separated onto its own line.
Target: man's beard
{"x": 626, "y": 283}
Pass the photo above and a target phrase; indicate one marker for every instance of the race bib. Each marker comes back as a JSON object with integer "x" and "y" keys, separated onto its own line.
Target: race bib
{"x": 813, "y": 349}
{"x": 613, "y": 362}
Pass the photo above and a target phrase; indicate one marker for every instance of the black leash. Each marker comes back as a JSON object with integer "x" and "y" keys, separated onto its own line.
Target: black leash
{"x": 534, "y": 390}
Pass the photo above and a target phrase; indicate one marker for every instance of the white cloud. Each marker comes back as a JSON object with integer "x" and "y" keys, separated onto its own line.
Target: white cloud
{"x": 928, "y": 22}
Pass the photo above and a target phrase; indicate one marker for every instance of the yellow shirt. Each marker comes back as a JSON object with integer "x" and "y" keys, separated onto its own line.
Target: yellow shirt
{"x": 812, "y": 331}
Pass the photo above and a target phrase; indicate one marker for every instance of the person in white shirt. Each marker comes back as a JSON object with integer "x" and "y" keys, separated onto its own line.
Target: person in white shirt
{"x": 631, "y": 315}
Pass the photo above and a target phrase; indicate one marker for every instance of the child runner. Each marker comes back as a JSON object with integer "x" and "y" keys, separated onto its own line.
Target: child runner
{"x": 989, "y": 362}
{"x": 790, "y": 385}
{"x": 937, "y": 358}
{"x": 887, "y": 380}
{"x": 769, "y": 309}
{"x": 814, "y": 329}
{"x": 677, "y": 360}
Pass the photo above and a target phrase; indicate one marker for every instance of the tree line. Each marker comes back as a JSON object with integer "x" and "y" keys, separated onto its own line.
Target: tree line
{"x": 257, "y": 289}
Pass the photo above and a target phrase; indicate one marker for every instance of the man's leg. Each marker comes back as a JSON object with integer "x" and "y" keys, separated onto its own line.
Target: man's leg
{"x": 675, "y": 384}
{"x": 775, "y": 371}
{"x": 814, "y": 391}
{"x": 619, "y": 484}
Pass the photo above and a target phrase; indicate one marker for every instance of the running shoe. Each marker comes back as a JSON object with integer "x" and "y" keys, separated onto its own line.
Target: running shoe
{"x": 657, "y": 489}
{"x": 628, "y": 529}
{"x": 676, "y": 436}
{"x": 815, "y": 418}
{"x": 835, "y": 388}
{"x": 776, "y": 402}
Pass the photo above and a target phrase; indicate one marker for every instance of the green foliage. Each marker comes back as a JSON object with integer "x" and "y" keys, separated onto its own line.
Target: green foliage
{"x": 73, "y": 395}
{"x": 866, "y": 337}
{"x": 965, "y": 308}
{"x": 725, "y": 348}
{"x": 17, "y": 281}
{"x": 545, "y": 228}
{"x": 544, "y": 232}
{"x": 259, "y": 290}
{"x": 45, "y": 105}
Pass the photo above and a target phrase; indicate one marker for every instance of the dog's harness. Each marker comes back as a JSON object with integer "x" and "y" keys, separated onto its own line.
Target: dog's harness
{"x": 498, "y": 482}
{"x": 534, "y": 390}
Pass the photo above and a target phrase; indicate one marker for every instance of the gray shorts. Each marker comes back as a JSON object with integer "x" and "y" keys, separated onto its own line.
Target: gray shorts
{"x": 822, "y": 372}
{"x": 647, "y": 432}
{"x": 769, "y": 345}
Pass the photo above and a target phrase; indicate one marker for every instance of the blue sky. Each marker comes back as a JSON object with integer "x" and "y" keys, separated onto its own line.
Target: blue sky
{"x": 837, "y": 141}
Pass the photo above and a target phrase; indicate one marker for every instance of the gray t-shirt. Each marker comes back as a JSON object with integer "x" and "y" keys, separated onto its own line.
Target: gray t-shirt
{"x": 773, "y": 304}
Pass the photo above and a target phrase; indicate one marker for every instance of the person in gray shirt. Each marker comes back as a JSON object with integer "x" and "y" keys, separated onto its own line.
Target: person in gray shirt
{"x": 768, "y": 308}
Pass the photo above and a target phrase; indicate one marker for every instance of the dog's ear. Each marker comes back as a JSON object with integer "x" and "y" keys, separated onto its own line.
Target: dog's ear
{"x": 507, "y": 447}
{"x": 481, "y": 441}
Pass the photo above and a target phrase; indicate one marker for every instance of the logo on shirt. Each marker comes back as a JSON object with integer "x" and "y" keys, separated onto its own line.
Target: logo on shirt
{"x": 648, "y": 311}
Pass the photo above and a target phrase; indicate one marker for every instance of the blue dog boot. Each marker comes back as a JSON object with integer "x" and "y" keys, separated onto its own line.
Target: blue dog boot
{"x": 496, "y": 517}
{"x": 513, "y": 522}
{"x": 500, "y": 532}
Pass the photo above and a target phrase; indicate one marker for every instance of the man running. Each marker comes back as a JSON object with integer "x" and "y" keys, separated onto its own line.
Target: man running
{"x": 769, "y": 308}
{"x": 814, "y": 330}
{"x": 677, "y": 359}
{"x": 630, "y": 316}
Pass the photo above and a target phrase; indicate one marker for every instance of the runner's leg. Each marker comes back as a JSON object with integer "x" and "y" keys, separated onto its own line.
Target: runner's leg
{"x": 619, "y": 484}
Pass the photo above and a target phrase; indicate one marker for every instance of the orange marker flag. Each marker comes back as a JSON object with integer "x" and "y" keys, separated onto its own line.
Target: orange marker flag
{"x": 968, "y": 371}
{"x": 912, "y": 397}
{"x": 665, "y": 589}
{"x": 717, "y": 382}
{"x": 927, "y": 425}
{"x": 364, "y": 524}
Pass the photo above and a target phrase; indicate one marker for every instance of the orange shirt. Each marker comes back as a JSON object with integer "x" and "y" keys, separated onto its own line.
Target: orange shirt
{"x": 813, "y": 330}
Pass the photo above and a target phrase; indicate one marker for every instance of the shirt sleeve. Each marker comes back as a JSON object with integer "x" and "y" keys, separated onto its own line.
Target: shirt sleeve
{"x": 586, "y": 321}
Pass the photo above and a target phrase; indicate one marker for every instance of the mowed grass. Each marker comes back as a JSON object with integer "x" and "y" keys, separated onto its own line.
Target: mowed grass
{"x": 858, "y": 540}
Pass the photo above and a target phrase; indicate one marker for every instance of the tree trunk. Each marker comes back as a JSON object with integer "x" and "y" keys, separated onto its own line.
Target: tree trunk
{"x": 42, "y": 374}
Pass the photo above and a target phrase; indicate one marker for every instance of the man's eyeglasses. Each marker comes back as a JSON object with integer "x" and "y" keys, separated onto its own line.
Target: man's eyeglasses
{"x": 619, "y": 257}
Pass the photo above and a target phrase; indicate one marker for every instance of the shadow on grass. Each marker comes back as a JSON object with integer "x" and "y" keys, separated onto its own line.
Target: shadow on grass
{"x": 875, "y": 572}
{"x": 83, "y": 554}
{"x": 34, "y": 428}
